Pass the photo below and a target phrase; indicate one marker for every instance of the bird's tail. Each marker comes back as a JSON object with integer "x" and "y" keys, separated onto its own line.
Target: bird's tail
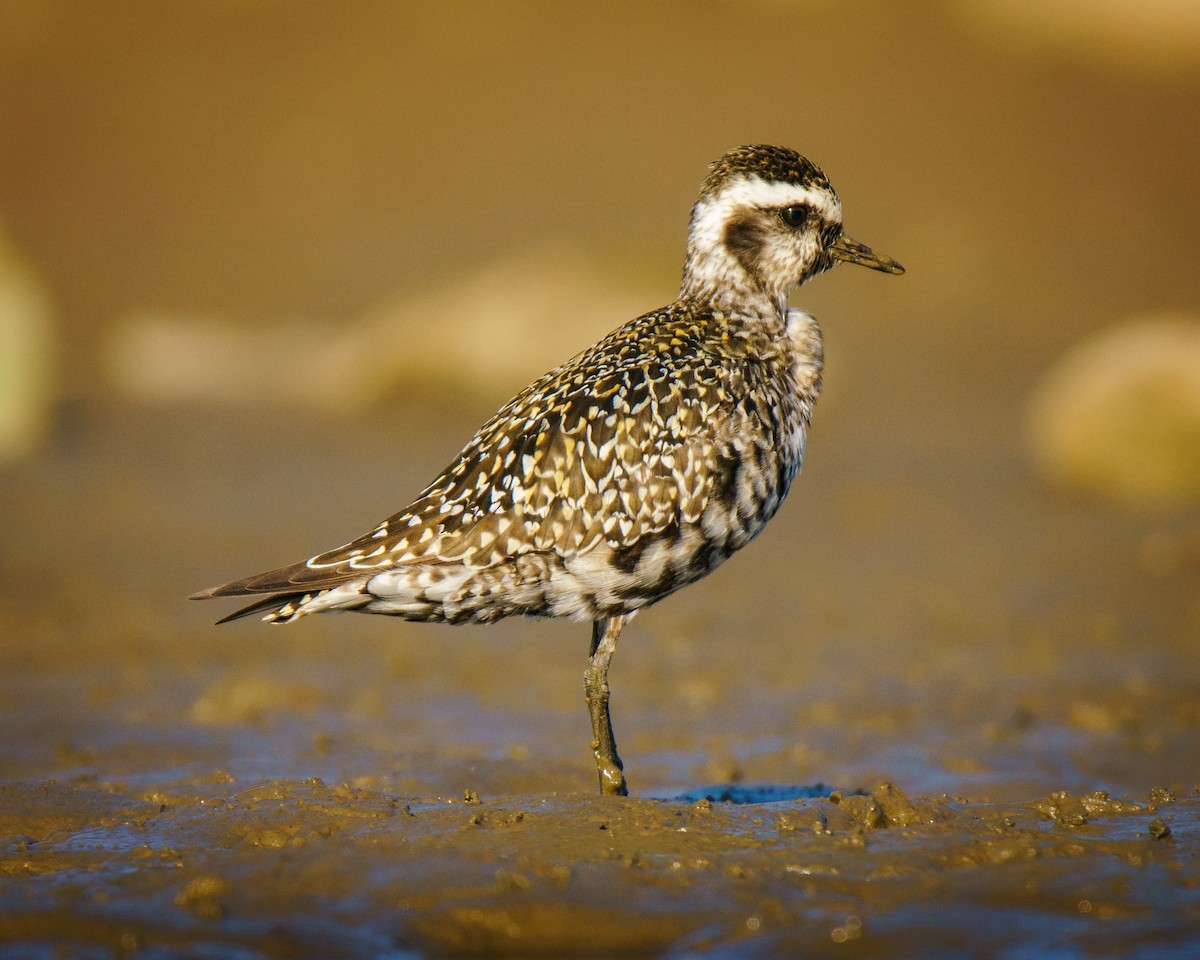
{"x": 282, "y": 607}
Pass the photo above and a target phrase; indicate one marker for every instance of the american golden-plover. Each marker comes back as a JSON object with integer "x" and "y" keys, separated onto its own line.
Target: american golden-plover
{"x": 634, "y": 468}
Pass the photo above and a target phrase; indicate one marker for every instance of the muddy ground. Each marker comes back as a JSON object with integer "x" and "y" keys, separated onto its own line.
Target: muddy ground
{"x": 956, "y": 714}
{"x": 941, "y": 708}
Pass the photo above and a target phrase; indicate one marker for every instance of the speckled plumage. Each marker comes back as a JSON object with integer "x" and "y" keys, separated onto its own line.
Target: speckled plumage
{"x": 632, "y": 469}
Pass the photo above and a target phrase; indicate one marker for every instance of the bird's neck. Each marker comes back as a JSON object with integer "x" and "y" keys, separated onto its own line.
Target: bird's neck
{"x": 716, "y": 279}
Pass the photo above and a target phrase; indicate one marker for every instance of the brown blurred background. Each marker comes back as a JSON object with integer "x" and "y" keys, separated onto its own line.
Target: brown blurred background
{"x": 263, "y": 162}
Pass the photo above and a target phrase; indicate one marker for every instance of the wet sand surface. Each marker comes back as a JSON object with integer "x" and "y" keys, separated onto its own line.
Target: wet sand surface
{"x": 934, "y": 710}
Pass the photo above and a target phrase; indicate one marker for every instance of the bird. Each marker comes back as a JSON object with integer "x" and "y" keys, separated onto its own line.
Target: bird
{"x": 631, "y": 470}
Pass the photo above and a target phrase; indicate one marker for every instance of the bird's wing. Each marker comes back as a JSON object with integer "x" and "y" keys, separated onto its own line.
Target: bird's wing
{"x": 617, "y": 457}
{"x": 614, "y": 452}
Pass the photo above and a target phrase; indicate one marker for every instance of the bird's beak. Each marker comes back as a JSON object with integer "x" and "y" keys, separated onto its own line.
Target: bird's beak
{"x": 854, "y": 252}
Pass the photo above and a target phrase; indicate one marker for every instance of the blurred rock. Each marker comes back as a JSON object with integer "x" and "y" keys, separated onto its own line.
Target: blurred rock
{"x": 252, "y": 700}
{"x": 489, "y": 334}
{"x": 166, "y": 358}
{"x": 1119, "y": 415}
{"x": 492, "y": 332}
{"x": 27, "y": 351}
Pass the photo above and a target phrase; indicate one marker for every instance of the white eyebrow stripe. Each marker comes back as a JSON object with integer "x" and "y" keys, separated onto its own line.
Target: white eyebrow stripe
{"x": 753, "y": 192}
{"x": 713, "y": 214}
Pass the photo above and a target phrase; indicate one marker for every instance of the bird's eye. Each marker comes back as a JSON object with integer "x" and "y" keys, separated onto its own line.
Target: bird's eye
{"x": 794, "y": 216}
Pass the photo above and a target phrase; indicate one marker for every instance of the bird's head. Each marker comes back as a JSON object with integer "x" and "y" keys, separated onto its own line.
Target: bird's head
{"x": 767, "y": 220}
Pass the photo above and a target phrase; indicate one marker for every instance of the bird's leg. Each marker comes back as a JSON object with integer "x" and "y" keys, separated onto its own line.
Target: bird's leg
{"x": 595, "y": 688}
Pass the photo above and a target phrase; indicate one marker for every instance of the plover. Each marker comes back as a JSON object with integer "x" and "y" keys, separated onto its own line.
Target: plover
{"x": 631, "y": 470}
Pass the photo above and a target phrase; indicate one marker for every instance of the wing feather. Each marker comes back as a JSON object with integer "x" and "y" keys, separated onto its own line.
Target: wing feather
{"x": 616, "y": 444}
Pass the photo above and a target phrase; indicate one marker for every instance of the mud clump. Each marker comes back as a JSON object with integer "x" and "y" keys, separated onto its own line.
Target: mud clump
{"x": 1068, "y": 811}
{"x": 887, "y": 806}
{"x": 205, "y": 897}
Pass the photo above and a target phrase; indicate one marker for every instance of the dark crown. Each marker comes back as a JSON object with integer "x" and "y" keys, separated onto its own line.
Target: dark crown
{"x": 768, "y": 162}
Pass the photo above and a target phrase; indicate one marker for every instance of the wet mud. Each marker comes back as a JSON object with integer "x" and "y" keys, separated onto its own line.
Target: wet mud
{"x": 896, "y": 746}
{"x": 303, "y": 868}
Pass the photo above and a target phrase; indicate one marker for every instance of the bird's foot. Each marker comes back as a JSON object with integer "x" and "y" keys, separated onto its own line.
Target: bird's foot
{"x": 612, "y": 778}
